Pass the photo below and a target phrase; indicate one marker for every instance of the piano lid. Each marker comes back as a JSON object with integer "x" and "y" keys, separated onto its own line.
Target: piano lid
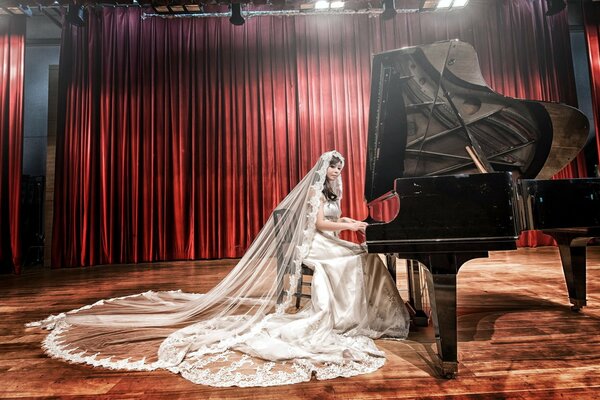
{"x": 430, "y": 103}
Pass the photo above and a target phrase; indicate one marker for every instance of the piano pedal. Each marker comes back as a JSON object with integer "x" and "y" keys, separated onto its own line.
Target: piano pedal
{"x": 421, "y": 319}
{"x": 418, "y": 318}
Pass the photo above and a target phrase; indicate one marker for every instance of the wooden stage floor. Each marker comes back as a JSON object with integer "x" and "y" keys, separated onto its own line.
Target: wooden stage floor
{"x": 518, "y": 338}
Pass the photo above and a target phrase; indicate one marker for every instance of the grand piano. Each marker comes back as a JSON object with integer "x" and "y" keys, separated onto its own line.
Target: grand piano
{"x": 455, "y": 170}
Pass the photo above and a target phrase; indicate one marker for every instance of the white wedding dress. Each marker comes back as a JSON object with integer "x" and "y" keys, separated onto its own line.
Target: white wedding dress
{"x": 241, "y": 333}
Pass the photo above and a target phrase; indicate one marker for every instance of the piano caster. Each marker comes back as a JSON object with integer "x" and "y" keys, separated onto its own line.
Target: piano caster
{"x": 449, "y": 369}
{"x": 577, "y": 304}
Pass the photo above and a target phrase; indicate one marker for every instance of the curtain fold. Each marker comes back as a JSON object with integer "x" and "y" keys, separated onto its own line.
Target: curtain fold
{"x": 591, "y": 13}
{"x": 179, "y": 136}
{"x": 12, "y": 54}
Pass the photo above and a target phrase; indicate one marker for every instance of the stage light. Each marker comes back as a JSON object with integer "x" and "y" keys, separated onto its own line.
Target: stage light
{"x": 555, "y": 6}
{"x": 194, "y": 8}
{"x": 337, "y": 4}
{"x": 321, "y": 5}
{"x": 442, "y": 5}
{"x": 76, "y": 15}
{"x": 236, "y": 14}
{"x": 176, "y": 9}
{"x": 20, "y": 9}
{"x": 161, "y": 9}
{"x": 389, "y": 9}
{"x": 26, "y": 10}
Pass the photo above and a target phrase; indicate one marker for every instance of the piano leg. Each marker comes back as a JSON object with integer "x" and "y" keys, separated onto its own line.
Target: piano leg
{"x": 572, "y": 248}
{"x": 415, "y": 300}
{"x": 442, "y": 297}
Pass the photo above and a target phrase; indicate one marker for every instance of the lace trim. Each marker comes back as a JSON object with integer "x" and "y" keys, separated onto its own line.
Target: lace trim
{"x": 243, "y": 372}
{"x": 246, "y": 373}
{"x": 303, "y": 250}
{"x": 54, "y": 347}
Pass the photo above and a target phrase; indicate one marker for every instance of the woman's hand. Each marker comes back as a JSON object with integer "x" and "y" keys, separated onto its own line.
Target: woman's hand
{"x": 341, "y": 224}
{"x": 357, "y": 226}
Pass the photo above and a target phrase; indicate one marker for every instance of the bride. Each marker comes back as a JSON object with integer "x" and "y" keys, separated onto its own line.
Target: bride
{"x": 246, "y": 331}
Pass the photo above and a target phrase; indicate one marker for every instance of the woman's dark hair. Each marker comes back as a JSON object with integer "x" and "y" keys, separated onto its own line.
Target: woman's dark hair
{"x": 327, "y": 190}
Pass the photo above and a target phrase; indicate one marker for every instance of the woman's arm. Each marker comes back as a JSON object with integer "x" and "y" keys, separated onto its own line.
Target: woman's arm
{"x": 323, "y": 224}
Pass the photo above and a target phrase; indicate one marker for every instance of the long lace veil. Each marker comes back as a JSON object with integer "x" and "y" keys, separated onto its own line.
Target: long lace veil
{"x": 163, "y": 329}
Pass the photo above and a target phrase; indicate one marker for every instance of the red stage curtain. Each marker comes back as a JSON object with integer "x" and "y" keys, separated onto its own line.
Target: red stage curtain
{"x": 179, "y": 136}
{"x": 591, "y": 13}
{"x": 12, "y": 51}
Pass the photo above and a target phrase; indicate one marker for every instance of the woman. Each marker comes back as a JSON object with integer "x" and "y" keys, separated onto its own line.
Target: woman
{"x": 243, "y": 332}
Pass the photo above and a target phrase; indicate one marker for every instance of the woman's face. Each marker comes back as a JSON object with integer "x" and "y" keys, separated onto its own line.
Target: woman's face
{"x": 334, "y": 171}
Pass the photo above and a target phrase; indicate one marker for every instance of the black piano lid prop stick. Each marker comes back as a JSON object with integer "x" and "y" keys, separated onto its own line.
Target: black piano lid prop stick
{"x": 474, "y": 150}
{"x": 438, "y": 86}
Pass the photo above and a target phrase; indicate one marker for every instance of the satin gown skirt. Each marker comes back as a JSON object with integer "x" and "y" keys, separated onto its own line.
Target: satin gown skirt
{"x": 354, "y": 290}
{"x": 353, "y": 300}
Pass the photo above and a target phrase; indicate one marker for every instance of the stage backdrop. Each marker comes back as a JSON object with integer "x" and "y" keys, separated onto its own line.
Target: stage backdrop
{"x": 177, "y": 137}
{"x": 12, "y": 54}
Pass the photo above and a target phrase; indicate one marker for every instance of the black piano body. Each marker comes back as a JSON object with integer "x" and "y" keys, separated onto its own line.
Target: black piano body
{"x": 433, "y": 127}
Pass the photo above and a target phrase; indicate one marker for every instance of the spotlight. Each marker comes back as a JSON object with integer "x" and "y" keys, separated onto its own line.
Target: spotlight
{"x": 236, "y": 14}
{"x": 194, "y": 8}
{"x": 76, "y": 15}
{"x": 389, "y": 9}
{"x": 321, "y": 5}
{"x": 442, "y": 5}
{"x": 555, "y": 6}
{"x": 26, "y": 10}
{"x": 161, "y": 9}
